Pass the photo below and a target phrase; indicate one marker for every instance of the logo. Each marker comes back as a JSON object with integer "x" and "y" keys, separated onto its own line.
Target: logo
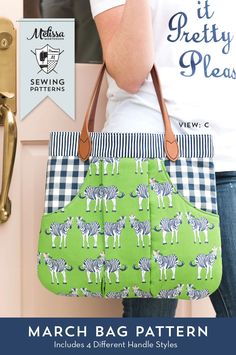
{"x": 47, "y": 58}
{"x": 46, "y": 34}
{"x": 47, "y": 66}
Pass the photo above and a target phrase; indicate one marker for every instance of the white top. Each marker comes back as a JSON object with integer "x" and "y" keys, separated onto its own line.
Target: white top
{"x": 195, "y": 54}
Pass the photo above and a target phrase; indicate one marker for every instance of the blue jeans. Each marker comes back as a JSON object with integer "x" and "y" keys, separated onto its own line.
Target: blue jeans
{"x": 224, "y": 298}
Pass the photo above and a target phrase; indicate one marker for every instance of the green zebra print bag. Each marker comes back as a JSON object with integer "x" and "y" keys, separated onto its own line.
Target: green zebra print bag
{"x": 130, "y": 214}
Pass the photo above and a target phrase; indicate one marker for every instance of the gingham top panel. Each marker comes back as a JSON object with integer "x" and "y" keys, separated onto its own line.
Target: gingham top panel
{"x": 139, "y": 145}
{"x": 193, "y": 178}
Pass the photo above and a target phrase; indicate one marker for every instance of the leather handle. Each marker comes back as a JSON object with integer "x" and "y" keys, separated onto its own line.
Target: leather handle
{"x": 170, "y": 143}
{"x": 85, "y": 146}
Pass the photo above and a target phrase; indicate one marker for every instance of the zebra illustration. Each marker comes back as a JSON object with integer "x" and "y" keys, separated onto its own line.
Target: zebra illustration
{"x": 205, "y": 261}
{"x": 120, "y": 294}
{"x": 141, "y": 229}
{"x": 112, "y": 266}
{"x": 55, "y": 266}
{"x": 91, "y": 229}
{"x": 60, "y": 230}
{"x": 170, "y": 225}
{"x": 159, "y": 164}
{"x": 114, "y": 230}
{"x": 139, "y": 164}
{"x": 39, "y": 258}
{"x": 115, "y": 165}
{"x": 196, "y": 294}
{"x": 173, "y": 293}
{"x": 96, "y": 161}
{"x": 88, "y": 293}
{"x": 162, "y": 189}
{"x": 140, "y": 293}
{"x": 73, "y": 293}
{"x": 114, "y": 161}
{"x": 93, "y": 266}
{"x": 144, "y": 265}
{"x": 99, "y": 193}
{"x": 199, "y": 225}
{"x": 166, "y": 262}
{"x": 142, "y": 193}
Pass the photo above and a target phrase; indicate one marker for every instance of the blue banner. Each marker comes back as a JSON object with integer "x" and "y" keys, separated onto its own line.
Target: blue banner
{"x": 47, "y": 64}
{"x": 117, "y": 335}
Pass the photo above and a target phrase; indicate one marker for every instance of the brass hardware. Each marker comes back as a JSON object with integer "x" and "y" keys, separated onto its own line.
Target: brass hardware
{"x": 5, "y": 40}
{"x": 9, "y": 150}
{"x": 7, "y": 110}
{"x": 6, "y": 95}
{"x": 8, "y": 63}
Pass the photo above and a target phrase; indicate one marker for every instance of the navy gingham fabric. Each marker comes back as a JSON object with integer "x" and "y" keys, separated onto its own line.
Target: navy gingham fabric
{"x": 194, "y": 179}
{"x": 64, "y": 177}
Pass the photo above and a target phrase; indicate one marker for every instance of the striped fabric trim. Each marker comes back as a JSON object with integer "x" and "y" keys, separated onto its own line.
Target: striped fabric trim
{"x": 133, "y": 145}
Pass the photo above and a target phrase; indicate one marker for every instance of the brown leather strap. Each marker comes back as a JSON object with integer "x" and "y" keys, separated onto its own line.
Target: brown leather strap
{"x": 170, "y": 143}
{"x": 85, "y": 146}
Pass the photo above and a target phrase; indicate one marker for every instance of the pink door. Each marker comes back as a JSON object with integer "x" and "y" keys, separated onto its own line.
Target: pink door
{"x": 21, "y": 292}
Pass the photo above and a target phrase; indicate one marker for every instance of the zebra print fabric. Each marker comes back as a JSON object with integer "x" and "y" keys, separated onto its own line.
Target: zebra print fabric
{"x": 119, "y": 233}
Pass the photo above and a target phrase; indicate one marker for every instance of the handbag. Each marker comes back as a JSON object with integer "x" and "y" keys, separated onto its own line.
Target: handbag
{"x": 130, "y": 214}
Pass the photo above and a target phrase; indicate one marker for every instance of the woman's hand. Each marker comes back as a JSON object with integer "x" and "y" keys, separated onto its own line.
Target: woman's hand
{"x": 127, "y": 42}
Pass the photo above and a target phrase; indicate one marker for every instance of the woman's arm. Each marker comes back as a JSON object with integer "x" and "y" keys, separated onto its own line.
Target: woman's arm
{"x": 127, "y": 42}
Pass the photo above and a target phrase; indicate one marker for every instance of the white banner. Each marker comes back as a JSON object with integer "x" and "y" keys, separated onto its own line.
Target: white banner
{"x": 47, "y": 64}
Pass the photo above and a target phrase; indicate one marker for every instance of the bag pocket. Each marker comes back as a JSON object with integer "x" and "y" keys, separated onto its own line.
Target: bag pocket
{"x": 70, "y": 247}
{"x": 186, "y": 244}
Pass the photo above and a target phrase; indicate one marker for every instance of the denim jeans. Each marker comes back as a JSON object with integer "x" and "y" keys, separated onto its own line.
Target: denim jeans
{"x": 224, "y": 298}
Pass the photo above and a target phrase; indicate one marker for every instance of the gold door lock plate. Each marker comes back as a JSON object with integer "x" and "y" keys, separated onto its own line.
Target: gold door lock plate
{"x": 7, "y": 64}
{"x": 7, "y": 111}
